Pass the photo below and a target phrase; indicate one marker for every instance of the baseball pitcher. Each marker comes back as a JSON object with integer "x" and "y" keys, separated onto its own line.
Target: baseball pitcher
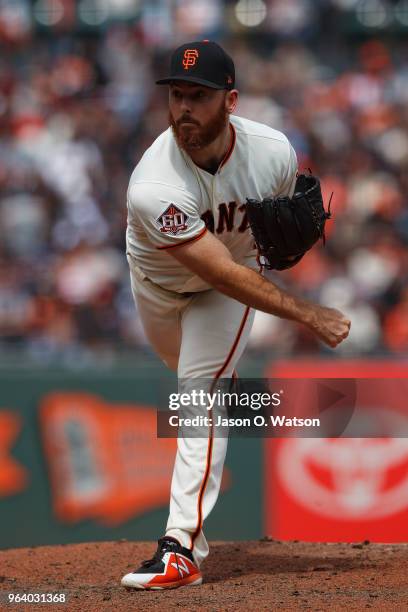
{"x": 212, "y": 198}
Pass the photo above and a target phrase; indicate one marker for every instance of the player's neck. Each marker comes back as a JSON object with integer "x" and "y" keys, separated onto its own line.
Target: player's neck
{"x": 210, "y": 158}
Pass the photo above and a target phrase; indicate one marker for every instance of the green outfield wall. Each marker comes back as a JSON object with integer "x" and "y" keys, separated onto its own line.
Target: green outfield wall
{"x": 79, "y": 458}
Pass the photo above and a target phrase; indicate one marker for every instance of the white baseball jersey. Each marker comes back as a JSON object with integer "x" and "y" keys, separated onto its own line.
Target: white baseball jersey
{"x": 172, "y": 201}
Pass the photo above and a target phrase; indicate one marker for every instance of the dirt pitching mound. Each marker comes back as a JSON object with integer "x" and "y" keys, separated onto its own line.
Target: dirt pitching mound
{"x": 261, "y": 575}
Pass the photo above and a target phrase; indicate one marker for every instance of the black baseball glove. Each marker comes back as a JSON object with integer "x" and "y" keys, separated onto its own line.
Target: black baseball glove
{"x": 285, "y": 228}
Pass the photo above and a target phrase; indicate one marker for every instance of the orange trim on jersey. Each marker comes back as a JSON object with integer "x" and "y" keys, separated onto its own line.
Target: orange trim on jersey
{"x": 231, "y": 147}
{"x": 211, "y": 437}
{"x": 173, "y": 246}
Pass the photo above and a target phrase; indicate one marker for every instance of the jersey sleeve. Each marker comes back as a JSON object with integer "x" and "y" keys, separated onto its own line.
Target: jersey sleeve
{"x": 167, "y": 215}
{"x": 288, "y": 185}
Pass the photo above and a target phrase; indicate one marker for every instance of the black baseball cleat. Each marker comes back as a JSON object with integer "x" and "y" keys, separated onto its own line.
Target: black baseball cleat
{"x": 172, "y": 566}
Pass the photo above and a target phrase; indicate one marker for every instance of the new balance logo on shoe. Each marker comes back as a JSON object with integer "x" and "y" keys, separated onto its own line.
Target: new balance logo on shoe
{"x": 181, "y": 566}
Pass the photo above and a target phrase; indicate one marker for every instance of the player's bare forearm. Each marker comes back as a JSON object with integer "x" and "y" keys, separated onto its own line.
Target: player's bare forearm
{"x": 211, "y": 260}
{"x": 248, "y": 287}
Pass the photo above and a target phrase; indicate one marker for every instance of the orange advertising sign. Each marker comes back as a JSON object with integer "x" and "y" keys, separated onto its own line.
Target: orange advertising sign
{"x": 13, "y": 477}
{"x": 104, "y": 460}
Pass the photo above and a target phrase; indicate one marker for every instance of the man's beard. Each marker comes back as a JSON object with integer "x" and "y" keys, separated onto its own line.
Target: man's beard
{"x": 194, "y": 137}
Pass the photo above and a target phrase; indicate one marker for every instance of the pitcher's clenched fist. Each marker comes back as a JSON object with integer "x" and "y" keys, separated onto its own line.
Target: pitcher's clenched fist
{"x": 330, "y": 325}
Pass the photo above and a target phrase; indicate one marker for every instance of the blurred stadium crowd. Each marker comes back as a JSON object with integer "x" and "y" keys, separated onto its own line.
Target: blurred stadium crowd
{"x": 78, "y": 106}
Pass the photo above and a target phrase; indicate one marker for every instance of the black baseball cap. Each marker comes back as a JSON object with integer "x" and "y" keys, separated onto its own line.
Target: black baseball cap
{"x": 203, "y": 62}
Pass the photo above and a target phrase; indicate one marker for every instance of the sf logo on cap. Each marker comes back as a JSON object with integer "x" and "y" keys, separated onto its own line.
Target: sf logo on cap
{"x": 190, "y": 58}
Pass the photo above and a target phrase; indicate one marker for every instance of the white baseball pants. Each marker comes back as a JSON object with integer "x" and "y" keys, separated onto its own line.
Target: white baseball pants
{"x": 200, "y": 335}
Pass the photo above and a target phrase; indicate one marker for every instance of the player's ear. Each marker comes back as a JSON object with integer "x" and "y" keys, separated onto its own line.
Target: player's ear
{"x": 231, "y": 100}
